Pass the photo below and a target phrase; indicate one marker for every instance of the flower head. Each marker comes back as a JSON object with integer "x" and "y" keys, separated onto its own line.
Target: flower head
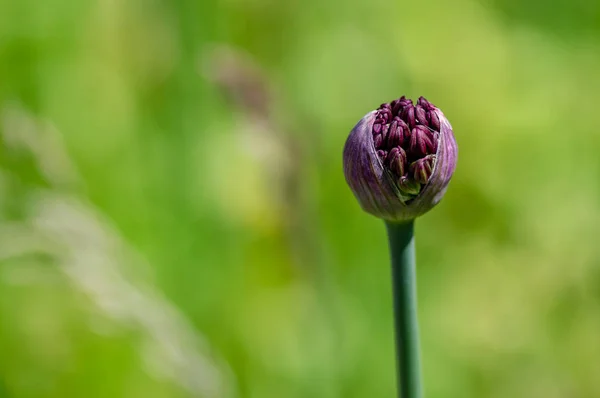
{"x": 398, "y": 159}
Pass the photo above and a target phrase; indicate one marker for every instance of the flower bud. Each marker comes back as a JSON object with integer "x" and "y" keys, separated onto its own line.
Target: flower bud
{"x": 395, "y": 133}
{"x": 405, "y": 136}
{"x": 421, "y": 115}
{"x": 397, "y": 161}
{"x": 377, "y": 155}
{"x": 421, "y": 169}
{"x": 396, "y": 106}
{"x": 428, "y": 106}
{"x": 385, "y": 113}
{"x": 434, "y": 120}
{"x": 408, "y": 114}
{"x": 422, "y": 142}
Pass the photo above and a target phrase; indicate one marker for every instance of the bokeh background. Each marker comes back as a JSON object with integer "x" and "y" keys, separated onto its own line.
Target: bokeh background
{"x": 174, "y": 220}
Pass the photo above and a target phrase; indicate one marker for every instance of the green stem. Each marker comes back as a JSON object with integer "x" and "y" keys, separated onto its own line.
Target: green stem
{"x": 404, "y": 284}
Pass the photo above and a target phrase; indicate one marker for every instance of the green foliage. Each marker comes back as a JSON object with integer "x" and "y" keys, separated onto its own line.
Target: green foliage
{"x": 158, "y": 241}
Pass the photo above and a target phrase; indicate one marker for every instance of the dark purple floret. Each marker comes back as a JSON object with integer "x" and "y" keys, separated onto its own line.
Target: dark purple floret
{"x": 428, "y": 106}
{"x": 386, "y": 114}
{"x": 421, "y": 169}
{"x": 395, "y": 134}
{"x": 408, "y": 114}
{"x": 405, "y": 101}
{"x": 396, "y": 161}
{"x": 422, "y": 142}
{"x": 404, "y": 132}
{"x": 396, "y": 107}
{"x": 421, "y": 115}
{"x": 434, "y": 120}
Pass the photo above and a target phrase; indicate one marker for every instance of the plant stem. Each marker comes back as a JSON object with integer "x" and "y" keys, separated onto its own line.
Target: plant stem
{"x": 404, "y": 284}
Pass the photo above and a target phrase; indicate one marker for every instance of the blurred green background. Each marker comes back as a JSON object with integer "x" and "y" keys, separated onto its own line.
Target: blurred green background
{"x": 174, "y": 221}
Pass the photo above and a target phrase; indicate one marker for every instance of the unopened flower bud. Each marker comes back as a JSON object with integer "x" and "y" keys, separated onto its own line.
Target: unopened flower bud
{"x": 385, "y": 131}
{"x": 386, "y": 114}
{"x": 405, "y": 132}
{"x": 425, "y": 104}
{"x": 408, "y": 114}
{"x": 434, "y": 120}
{"x": 422, "y": 142}
{"x": 421, "y": 115}
{"x": 421, "y": 169}
{"x": 396, "y": 160}
{"x": 395, "y": 133}
{"x": 405, "y": 101}
{"x": 376, "y": 158}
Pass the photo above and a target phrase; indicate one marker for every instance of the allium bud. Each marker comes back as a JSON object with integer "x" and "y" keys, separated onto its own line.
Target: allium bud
{"x": 421, "y": 169}
{"x": 421, "y": 115}
{"x": 408, "y": 114}
{"x": 386, "y": 114}
{"x": 422, "y": 142}
{"x": 398, "y": 159}
{"x": 395, "y": 133}
{"x": 396, "y": 106}
{"x": 428, "y": 106}
{"x": 434, "y": 120}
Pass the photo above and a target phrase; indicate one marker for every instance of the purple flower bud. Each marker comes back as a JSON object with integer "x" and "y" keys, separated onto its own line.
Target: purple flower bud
{"x": 434, "y": 121}
{"x": 421, "y": 169}
{"x": 377, "y": 170}
{"x": 408, "y": 114}
{"x": 405, "y": 101}
{"x": 396, "y": 106}
{"x": 395, "y": 133}
{"x": 428, "y": 106}
{"x": 422, "y": 142}
{"x": 396, "y": 161}
{"x": 405, "y": 133}
{"x": 386, "y": 114}
{"x": 421, "y": 115}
